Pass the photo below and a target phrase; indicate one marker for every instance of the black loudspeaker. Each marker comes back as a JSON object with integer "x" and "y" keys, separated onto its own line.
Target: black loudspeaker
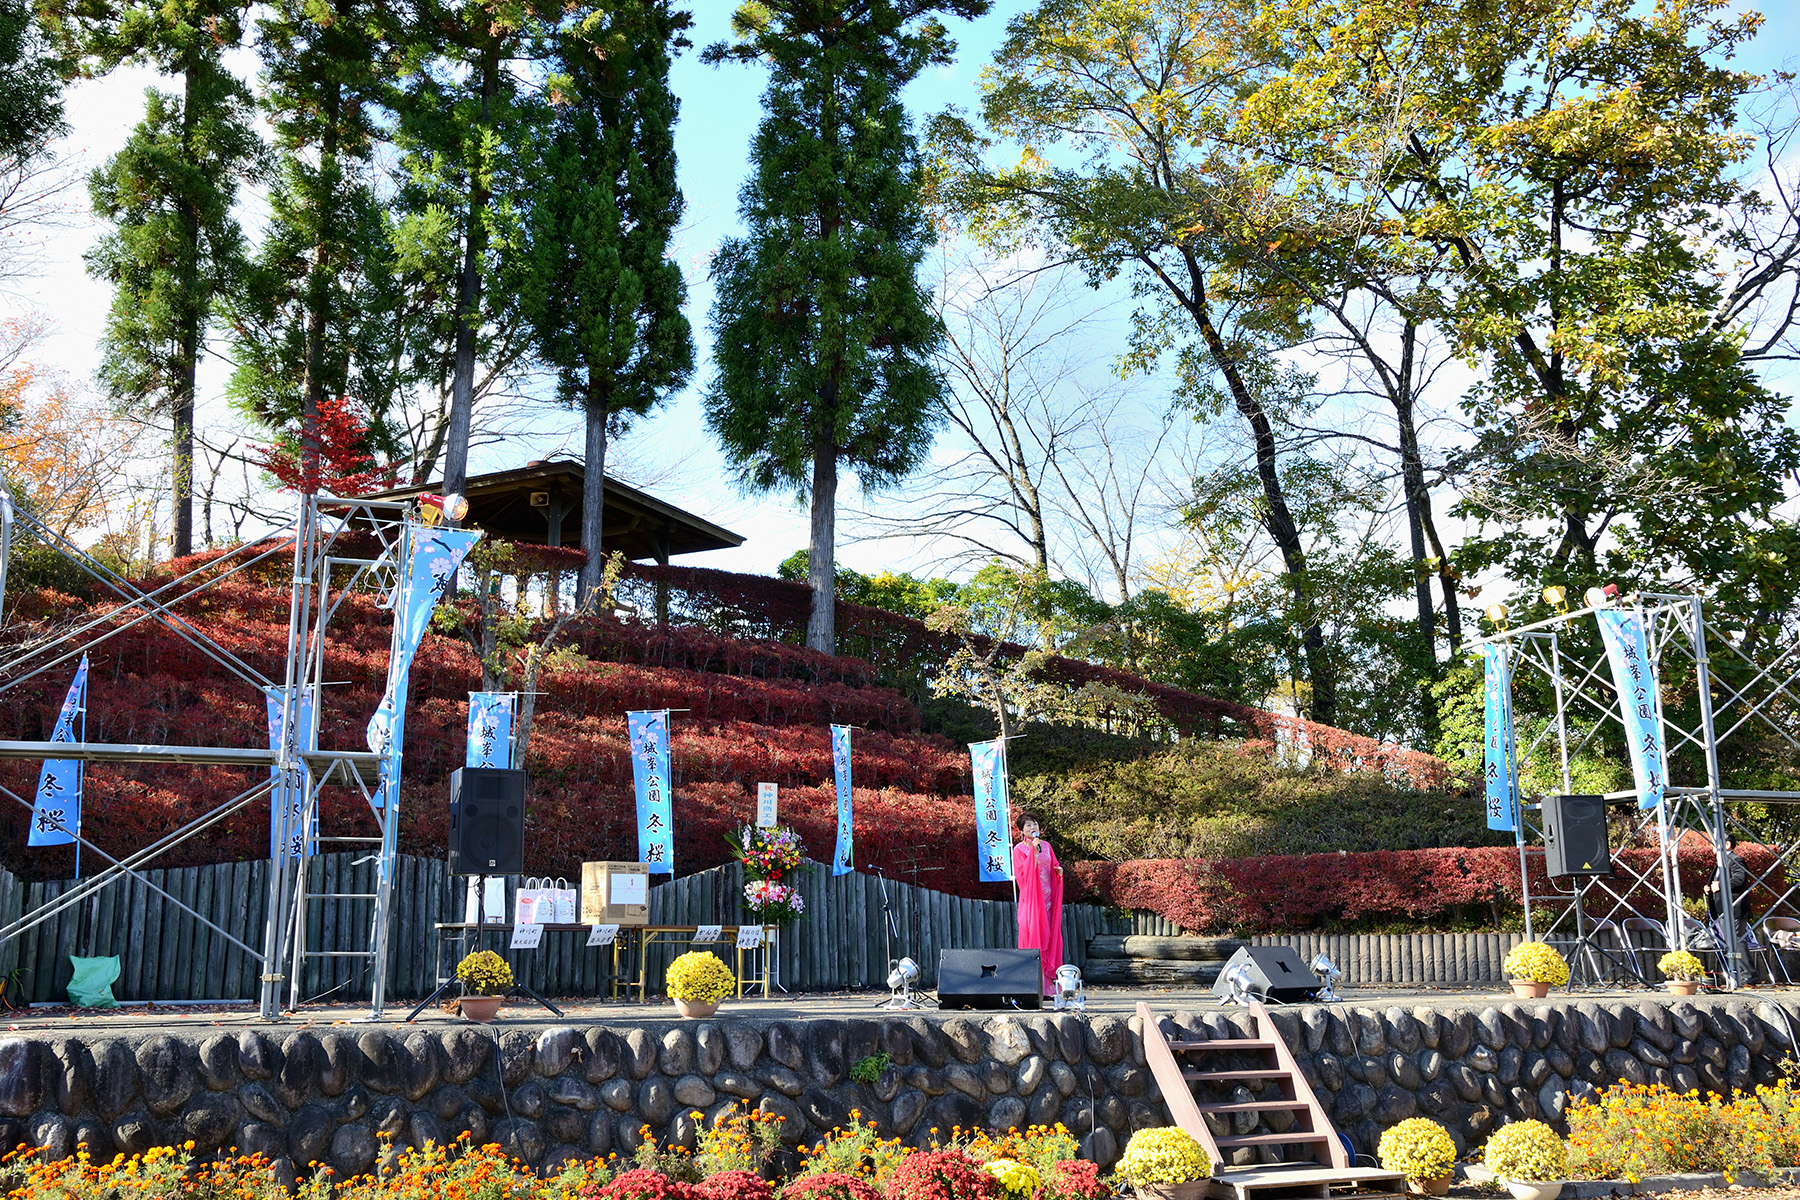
{"x": 487, "y": 821}
{"x": 990, "y": 979}
{"x": 1575, "y": 836}
{"x": 1276, "y": 973}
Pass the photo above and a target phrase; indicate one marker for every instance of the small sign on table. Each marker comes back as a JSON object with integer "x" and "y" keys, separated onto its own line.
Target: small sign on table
{"x": 526, "y": 937}
{"x": 707, "y": 933}
{"x": 602, "y": 935}
{"x": 749, "y": 937}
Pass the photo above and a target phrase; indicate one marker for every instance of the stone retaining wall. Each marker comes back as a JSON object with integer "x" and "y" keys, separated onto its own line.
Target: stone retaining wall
{"x": 550, "y": 1094}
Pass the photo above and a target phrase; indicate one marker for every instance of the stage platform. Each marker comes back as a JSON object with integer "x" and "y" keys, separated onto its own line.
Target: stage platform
{"x": 139, "y": 1020}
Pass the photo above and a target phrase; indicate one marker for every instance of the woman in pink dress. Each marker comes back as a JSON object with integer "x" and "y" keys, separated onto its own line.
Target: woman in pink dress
{"x": 1037, "y": 877}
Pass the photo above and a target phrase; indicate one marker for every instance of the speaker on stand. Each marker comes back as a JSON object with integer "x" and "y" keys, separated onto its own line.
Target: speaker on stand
{"x": 1575, "y": 847}
{"x": 487, "y": 837}
{"x": 487, "y": 821}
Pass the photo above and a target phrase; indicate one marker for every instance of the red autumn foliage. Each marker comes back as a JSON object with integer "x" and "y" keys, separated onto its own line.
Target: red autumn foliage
{"x": 734, "y": 1185}
{"x": 941, "y": 1175}
{"x": 345, "y": 466}
{"x": 757, "y": 710}
{"x": 828, "y": 1185}
{"x": 1275, "y": 894}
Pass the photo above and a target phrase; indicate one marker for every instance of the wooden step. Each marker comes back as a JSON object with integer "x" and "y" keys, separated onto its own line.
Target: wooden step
{"x": 1243, "y": 1183}
{"x": 1238, "y": 1106}
{"x": 1294, "y": 1138}
{"x": 1232, "y": 1076}
{"x": 1223, "y": 1044}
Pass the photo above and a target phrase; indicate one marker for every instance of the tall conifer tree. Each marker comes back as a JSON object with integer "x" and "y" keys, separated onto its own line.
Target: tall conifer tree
{"x": 304, "y": 328}
{"x": 825, "y": 342}
{"x": 603, "y": 298}
{"x": 30, "y": 94}
{"x": 468, "y": 132}
{"x": 175, "y": 247}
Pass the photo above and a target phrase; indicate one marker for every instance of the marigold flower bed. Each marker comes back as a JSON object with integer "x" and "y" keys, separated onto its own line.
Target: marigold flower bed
{"x": 734, "y": 1159}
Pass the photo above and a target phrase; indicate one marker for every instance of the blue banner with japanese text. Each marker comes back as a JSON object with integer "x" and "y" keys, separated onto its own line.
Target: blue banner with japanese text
{"x": 430, "y": 570}
{"x": 287, "y": 795}
{"x": 56, "y": 817}
{"x": 1497, "y": 736}
{"x": 490, "y": 730}
{"x": 1640, "y": 704}
{"x": 843, "y": 860}
{"x": 648, "y": 733}
{"x": 993, "y": 824}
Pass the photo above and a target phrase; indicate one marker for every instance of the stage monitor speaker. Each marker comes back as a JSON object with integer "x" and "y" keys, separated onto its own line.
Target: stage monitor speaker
{"x": 1575, "y": 836}
{"x": 1276, "y": 973}
{"x": 487, "y": 821}
{"x": 990, "y": 979}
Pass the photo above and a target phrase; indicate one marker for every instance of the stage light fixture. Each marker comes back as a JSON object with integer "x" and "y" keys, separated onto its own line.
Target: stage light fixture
{"x": 902, "y": 974}
{"x": 1600, "y": 597}
{"x": 1557, "y": 597}
{"x": 1497, "y": 614}
{"x": 452, "y": 506}
{"x": 1069, "y": 993}
{"x": 1238, "y": 983}
{"x": 1328, "y": 975}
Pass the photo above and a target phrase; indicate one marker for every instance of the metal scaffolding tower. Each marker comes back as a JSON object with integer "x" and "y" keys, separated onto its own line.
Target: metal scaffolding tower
{"x": 1696, "y": 806}
{"x": 324, "y": 573}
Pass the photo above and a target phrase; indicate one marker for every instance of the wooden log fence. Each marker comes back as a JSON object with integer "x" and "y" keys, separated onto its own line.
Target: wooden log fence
{"x": 844, "y": 941}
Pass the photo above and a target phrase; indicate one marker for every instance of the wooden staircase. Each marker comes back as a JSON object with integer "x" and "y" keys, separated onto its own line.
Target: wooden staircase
{"x": 1324, "y": 1172}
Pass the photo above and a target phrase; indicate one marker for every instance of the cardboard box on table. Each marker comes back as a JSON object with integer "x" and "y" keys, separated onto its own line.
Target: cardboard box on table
{"x": 615, "y": 893}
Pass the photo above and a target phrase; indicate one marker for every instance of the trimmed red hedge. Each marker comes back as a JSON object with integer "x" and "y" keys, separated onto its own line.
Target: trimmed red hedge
{"x": 1280, "y": 893}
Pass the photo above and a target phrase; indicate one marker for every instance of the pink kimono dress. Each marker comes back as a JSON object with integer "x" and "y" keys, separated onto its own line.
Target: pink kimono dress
{"x": 1040, "y": 906}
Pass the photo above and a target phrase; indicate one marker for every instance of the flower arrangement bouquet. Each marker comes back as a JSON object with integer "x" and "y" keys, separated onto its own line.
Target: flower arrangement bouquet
{"x": 772, "y": 903}
{"x": 767, "y": 853}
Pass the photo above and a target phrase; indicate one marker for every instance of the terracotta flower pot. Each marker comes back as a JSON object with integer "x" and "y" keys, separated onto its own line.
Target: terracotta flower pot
{"x": 1193, "y": 1189}
{"x": 1684, "y": 987}
{"x": 1530, "y": 989}
{"x": 1430, "y": 1187}
{"x": 695, "y": 1009}
{"x": 482, "y": 1009}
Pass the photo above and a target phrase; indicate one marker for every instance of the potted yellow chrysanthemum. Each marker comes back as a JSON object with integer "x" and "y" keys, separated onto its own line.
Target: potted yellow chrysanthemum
{"x": 1530, "y": 1159}
{"x": 1683, "y": 971}
{"x": 1420, "y": 1149}
{"x": 697, "y": 981}
{"x": 486, "y": 979}
{"x": 1534, "y": 968}
{"x": 1165, "y": 1164}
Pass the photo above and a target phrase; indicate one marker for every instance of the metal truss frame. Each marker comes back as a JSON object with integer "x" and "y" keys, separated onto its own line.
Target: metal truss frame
{"x": 1678, "y": 633}
{"x": 320, "y": 581}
